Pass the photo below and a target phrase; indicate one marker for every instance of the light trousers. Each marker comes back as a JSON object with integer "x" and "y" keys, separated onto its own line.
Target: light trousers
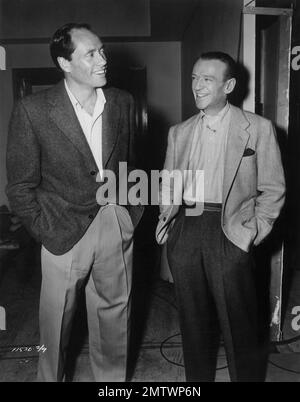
{"x": 102, "y": 262}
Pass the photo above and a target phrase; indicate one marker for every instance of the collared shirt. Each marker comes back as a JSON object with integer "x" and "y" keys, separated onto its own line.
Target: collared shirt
{"x": 208, "y": 154}
{"x": 91, "y": 125}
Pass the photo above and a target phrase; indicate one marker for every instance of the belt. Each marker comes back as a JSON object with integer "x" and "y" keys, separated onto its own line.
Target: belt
{"x": 208, "y": 206}
{"x": 211, "y": 206}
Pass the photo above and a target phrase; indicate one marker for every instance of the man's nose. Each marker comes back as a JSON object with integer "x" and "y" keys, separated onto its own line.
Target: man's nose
{"x": 101, "y": 58}
{"x": 199, "y": 83}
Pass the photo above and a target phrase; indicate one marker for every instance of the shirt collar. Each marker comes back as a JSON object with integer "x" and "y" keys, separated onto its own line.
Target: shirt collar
{"x": 216, "y": 120}
{"x": 99, "y": 102}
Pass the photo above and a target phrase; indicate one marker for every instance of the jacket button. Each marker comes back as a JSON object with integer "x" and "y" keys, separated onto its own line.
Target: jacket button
{"x": 164, "y": 219}
{"x": 91, "y": 216}
{"x": 93, "y": 172}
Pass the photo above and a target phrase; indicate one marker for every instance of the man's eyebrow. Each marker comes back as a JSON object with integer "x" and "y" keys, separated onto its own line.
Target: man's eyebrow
{"x": 91, "y": 50}
{"x": 203, "y": 75}
{"x": 94, "y": 49}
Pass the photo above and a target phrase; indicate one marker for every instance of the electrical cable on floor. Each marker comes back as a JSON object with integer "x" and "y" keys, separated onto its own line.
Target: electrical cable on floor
{"x": 283, "y": 368}
{"x": 162, "y": 353}
{"x": 283, "y": 342}
{"x": 172, "y": 336}
{"x": 287, "y": 341}
{"x": 172, "y": 362}
{"x": 218, "y": 368}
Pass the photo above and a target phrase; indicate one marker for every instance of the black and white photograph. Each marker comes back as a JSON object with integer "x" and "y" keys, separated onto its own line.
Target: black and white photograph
{"x": 149, "y": 193}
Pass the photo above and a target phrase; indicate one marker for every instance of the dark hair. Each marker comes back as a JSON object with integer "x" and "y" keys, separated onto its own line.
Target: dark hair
{"x": 231, "y": 67}
{"x": 61, "y": 44}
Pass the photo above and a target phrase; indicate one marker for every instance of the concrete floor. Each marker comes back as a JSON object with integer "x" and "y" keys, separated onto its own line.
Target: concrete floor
{"x": 157, "y": 354}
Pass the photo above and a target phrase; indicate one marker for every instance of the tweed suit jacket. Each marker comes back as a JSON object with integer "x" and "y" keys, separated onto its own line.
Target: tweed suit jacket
{"x": 253, "y": 186}
{"x": 51, "y": 170}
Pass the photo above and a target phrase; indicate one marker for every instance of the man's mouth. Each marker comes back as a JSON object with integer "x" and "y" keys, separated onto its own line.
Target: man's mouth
{"x": 100, "y": 72}
{"x": 200, "y": 96}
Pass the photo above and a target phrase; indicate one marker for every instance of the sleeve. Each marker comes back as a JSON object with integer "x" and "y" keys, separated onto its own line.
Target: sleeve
{"x": 165, "y": 192}
{"x": 23, "y": 170}
{"x": 270, "y": 184}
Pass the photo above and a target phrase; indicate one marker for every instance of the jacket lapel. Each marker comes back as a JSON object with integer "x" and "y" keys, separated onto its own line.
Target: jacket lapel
{"x": 110, "y": 127}
{"x": 238, "y": 137}
{"x": 183, "y": 146}
{"x": 63, "y": 115}
{"x": 185, "y": 140}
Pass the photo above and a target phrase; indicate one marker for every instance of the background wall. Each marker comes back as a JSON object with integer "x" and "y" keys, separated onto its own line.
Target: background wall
{"x": 215, "y": 26}
{"x": 5, "y": 110}
{"x": 108, "y": 17}
{"x": 163, "y": 63}
{"x": 208, "y": 25}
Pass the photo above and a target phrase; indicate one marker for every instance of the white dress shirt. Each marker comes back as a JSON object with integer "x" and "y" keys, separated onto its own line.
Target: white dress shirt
{"x": 208, "y": 154}
{"x": 91, "y": 125}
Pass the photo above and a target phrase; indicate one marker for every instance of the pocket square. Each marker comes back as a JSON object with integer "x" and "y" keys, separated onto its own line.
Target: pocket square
{"x": 248, "y": 152}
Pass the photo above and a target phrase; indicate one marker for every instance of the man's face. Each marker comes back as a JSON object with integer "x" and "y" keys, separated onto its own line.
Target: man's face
{"x": 87, "y": 66}
{"x": 209, "y": 88}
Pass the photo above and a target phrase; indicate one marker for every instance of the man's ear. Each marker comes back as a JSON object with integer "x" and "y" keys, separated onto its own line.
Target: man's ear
{"x": 229, "y": 86}
{"x": 64, "y": 64}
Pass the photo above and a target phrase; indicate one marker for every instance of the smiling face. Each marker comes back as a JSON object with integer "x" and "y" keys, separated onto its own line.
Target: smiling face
{"x": 210, "y": 86}
{"x": 87, "y": 67}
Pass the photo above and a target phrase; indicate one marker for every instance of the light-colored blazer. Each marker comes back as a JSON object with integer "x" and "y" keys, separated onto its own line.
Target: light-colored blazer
{"x": 253, "y": 187}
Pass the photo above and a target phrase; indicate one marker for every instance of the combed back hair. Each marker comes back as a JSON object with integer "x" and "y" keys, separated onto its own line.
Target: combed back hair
{"x": 61, "y": 44}
{"x": 231, "y": 67}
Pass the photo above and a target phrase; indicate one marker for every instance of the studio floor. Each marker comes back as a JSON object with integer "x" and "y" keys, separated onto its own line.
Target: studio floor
{"x": 156, "y": 352}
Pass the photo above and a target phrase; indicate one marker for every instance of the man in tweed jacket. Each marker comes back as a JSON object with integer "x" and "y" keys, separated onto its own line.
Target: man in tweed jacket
{"x": 60, "y": 141}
